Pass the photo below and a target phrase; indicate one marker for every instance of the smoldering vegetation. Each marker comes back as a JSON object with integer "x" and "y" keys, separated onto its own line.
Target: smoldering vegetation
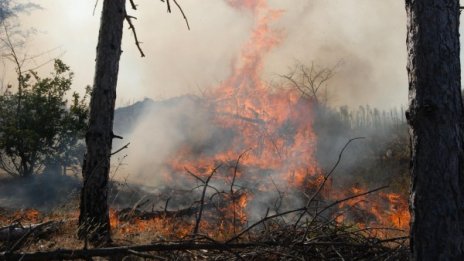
{"x": 142, "y": 175}
{"x": 158, "y": 131}
{"x": 380, "y": 158}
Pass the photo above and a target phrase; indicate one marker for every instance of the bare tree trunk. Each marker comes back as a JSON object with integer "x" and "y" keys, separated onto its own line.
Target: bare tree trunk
{"x": 94, "y": 214}
{"x": 435, "y": 117}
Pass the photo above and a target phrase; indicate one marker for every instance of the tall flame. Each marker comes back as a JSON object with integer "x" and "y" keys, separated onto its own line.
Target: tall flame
{"x": 275, "y": 124}
{"x": 272, "y": 127}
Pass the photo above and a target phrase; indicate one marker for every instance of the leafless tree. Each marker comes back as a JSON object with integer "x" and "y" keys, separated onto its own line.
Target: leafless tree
{"x": 311, "y": 80}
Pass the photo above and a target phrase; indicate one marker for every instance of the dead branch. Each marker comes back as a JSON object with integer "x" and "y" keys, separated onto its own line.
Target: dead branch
{"x": 143, "y": 255}
{"x": 369, "y": 248}
{"x": 304, "y": 209}
{"x": 95, "y": 7}
{"x": 168, "y": 5}
{"x": 236, "y": 169}
{"x": 182, "y": 12}
{"x": 134, "y": 33}
{"x": 326, "y": 177}
{"x": 122, "y": 148}
{"x": 35, "y": 231}
{"x": 129, "y": 213}
{"x": 72, "y": 254}
{"x": 202, "y": 200}
{"x": 133, "y": 5}
{"x": 309, "y": 80}
{"x": 16, "y": 231}
{"x": 337, "y": 202}
{"x": 233, "y": 183}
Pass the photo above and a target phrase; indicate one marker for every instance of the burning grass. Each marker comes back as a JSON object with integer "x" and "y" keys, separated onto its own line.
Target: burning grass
{"x": 307, "y": 233}
{"x": 217, "y": 219}
{"x": 257, "y": 193}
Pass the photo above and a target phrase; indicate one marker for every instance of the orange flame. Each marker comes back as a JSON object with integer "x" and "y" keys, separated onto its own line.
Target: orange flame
{"x": 276, "y": 124}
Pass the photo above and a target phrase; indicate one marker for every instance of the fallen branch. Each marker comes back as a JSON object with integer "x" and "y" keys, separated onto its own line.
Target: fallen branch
{"x": 128, "y": 214}
{"x": 71, "y": 254}
{"x": 140, "y": 250}
{"x": 16, "y": 231}
{"x": 36, "y": 231}
{"x": 304, "y": 209}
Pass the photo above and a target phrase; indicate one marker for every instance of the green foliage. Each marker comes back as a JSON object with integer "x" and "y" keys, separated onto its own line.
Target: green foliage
{"x": 39, "y": 129}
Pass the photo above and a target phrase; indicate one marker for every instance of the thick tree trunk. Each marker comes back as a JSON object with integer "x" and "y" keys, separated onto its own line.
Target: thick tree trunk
{"x": 94, "y": 214}
{"x": 436, "y": 127}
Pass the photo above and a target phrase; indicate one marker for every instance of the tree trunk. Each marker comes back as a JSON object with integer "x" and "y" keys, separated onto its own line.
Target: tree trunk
{"x": 94, "y": 214}
{"x": 435, "y": 117}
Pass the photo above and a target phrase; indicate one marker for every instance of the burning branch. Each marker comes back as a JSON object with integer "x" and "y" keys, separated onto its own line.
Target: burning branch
{"x": 232, "y": 185}
{"x": 236, "y": 169}
{"x": 202, "y": 200}
{"x": 302, "y": 209}
{"x": 326, "y": 177}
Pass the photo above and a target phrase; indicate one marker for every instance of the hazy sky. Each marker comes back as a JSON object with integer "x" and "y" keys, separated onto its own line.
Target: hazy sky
{"x": 368, "y": 35}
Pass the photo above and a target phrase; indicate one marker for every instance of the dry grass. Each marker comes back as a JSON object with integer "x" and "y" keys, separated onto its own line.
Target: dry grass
{"x": 274, "y": 239}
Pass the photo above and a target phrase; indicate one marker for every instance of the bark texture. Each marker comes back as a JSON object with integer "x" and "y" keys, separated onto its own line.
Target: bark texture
{"x": 435, "y": 117}
{"x": 94, "y": 214}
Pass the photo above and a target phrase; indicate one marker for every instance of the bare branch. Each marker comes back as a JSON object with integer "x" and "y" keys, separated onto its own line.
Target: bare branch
{"x": 200, "y": 212}
{"x": 266, "y": 218}
{"x": 132, "y": 28}
{"x": 133, "y": 5}
{"x": 95, "y": 7}
{"x": 182, "y": 12}
{"x": 122, "y": 148}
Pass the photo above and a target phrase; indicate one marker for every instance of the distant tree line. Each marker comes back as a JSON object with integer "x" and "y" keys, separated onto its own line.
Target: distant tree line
{"x": 367, "y": 117}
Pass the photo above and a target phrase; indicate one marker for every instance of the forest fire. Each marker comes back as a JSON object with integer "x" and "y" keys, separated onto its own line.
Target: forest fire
{"x": 272, "y": 127}
{"x": 253, "y": 167}
{"x": 380, "y": 209}
{"x": 261, "y": 165}
{"x": 266, "y": 152}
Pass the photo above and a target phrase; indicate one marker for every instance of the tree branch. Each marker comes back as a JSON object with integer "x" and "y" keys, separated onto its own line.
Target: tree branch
{"x": 122, "y": 148}
{"x": 132, "y": 28}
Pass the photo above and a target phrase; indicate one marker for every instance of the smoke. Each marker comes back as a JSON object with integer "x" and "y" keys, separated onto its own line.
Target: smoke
{"x": 160, "y": 131}
{"x": 43, "y": 192}
{"x": 369, "y": 36}
{"x": 240, "y": 116}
